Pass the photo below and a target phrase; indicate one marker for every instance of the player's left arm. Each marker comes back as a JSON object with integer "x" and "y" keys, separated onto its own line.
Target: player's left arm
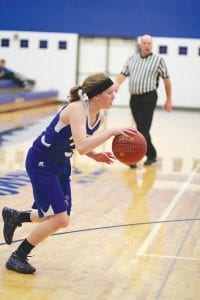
{"x": 105, "y": 157}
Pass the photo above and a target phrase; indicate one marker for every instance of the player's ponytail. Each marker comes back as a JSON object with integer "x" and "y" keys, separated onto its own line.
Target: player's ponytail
{"x": 74, "y": 94}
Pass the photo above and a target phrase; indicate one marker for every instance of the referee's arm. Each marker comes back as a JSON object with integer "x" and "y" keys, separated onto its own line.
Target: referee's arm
{"x": 119, "y": 80}
{"x": 168, "y": 91}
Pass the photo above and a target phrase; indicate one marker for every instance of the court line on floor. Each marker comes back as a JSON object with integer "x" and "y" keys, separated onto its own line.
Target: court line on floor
{"x": 112, "y": 227}
{"x": 166, "y": 213}
{"x": 174, "y": 261}
{"x": 172, "y": 257}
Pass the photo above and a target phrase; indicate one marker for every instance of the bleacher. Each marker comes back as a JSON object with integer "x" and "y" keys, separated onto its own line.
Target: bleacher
{"x": 12, "y": 97}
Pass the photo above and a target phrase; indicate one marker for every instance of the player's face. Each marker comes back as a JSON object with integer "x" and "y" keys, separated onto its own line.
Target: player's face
{"x": 106, "y": 98}
{"x": 146, "y": 46}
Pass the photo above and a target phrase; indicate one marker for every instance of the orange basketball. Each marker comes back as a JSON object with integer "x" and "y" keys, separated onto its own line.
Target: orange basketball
{"x": 129, "y": 149}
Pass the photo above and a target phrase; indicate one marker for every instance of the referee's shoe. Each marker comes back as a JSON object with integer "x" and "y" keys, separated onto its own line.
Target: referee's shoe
{"x": 11, "y": 221}
{"x": 19, "y": 263}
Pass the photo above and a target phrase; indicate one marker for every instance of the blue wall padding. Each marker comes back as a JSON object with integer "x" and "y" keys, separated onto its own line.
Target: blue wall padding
{"x": 121, "y": 18}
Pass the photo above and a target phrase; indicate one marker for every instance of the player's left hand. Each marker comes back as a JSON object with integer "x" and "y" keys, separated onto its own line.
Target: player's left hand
{"x": 105, "y": 157}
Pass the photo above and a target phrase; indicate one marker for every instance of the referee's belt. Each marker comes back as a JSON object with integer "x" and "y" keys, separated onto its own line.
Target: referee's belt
{"x": 146, "y": 93}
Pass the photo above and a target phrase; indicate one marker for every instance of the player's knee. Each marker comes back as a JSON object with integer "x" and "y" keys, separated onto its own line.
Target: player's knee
{"x": 63, "y": 221}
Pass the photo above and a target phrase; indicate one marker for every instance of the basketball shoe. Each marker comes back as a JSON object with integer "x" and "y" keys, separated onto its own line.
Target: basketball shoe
{"x": 150, "y": 161}
{"x": 19, "y": 263}
{"x": 133, "y": 166}
{"x": 11, "y": 222}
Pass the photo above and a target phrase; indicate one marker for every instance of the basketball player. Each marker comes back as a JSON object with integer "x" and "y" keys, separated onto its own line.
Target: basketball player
{"x": 49, "y": 169}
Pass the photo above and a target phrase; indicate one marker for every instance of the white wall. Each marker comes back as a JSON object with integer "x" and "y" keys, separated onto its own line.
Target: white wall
{"x": 184, "y": 71}
{"x": 52, "y": 68}
{"x": 106, "y": 55}
{"x": 56, "y": 69}
{"x": 110, "y": 54}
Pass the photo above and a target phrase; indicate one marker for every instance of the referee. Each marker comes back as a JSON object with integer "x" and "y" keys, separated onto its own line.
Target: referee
{"x": 144, "y": 70}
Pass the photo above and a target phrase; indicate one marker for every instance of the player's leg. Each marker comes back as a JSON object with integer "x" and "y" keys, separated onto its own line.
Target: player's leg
{"x": 18, "y": 261}
{"x": 13, "y": 218}
{"x": 45, "y": 229}
{"x": 51, "y": 203}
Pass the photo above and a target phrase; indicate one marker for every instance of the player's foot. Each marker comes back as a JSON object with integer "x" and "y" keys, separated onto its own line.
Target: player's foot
{"x": 11, "y": 221}
{"x": 19, "y": 263}
{"x": 150, "y": 161}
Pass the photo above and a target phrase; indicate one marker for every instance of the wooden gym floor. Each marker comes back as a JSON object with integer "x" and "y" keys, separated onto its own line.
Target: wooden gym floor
{"x": 134, "y": 233}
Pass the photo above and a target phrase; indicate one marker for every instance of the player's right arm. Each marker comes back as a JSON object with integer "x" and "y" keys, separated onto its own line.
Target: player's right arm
{"x": 74, "y": 114}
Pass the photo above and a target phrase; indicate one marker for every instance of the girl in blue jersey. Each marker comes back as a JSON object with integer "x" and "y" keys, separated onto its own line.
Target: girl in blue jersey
{"x": 49, "y": 169}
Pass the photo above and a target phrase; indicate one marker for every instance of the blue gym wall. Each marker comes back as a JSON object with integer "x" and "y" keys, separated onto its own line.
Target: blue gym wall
{"x": 116, "y": 18}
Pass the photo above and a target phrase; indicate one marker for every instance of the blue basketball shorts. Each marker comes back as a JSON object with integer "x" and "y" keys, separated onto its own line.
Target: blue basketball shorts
{"x": 50, "y": 184}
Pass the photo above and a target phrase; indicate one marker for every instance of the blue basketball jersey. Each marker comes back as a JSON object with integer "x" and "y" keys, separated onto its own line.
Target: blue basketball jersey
{"x": 48, "y": 166}
{"x": 56, "y": 142}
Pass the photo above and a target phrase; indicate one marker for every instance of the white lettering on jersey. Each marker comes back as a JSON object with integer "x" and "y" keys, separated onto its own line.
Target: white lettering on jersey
{"x": 44, "y": 142}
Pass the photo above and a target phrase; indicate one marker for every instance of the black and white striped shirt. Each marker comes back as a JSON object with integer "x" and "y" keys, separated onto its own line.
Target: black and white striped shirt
{"x": 144, "y": 73}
